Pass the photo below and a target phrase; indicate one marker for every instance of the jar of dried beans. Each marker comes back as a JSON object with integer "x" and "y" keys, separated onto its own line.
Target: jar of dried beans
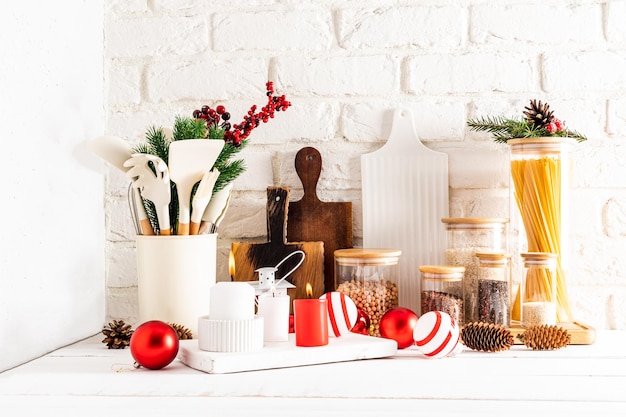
{"x": 494, "y": 288}
{"x": 465, "y": 236}
{"x": 442, "y": 290}
{"x": 368, "y": 277}
{"x": 538, "y": 289}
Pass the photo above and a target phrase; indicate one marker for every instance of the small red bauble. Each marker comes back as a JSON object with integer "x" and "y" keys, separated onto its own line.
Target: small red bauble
{"x": 154, "y": 344}
{"x": 363, "y": 323}
{"x": 398, "y": 324}
{"x": 291, "y": 326}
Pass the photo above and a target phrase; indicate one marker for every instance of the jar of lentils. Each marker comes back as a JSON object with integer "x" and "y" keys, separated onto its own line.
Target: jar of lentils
{"x": 368, "y": 277}
{"x": 442, "y": 290}
{"x": 466, "y": 236}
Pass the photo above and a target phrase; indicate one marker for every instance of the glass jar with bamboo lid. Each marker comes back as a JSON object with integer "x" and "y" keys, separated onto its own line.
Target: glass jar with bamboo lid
{"x": 466, "y": 236}
{"x": 538, "y": 289}
{"x": 369, "y": 278}
{"x": 540, "y": 175}
{"x": 442, "y": 290}
{"x": 494, "y": 288}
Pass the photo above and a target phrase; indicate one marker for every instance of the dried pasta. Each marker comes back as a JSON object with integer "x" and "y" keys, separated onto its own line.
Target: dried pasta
{"x": 538, "y": 194}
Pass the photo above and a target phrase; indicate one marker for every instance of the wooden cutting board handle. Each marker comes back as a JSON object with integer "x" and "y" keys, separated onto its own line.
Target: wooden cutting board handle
{"x": 277, "y": 203}
{"x": 309, "y": 167}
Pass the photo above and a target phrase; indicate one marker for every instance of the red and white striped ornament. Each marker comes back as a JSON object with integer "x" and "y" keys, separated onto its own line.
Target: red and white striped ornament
{"x": 436, "y": 334}
{"x": 342, "y": 313}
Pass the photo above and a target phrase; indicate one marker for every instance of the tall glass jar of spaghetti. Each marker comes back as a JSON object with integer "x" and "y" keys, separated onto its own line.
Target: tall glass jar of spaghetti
{"x": 540, "y": 176}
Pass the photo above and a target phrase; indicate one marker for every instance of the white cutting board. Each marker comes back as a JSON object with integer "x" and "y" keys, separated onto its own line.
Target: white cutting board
{"x": 350, "y": 347}
{"x": 405, "y": 196}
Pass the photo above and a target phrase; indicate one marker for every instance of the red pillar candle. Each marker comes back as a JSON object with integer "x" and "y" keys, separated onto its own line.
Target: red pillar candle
{"x": 310, "y": 322}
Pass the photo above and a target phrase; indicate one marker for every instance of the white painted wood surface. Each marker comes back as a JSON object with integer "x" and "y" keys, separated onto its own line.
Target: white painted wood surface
{"x": 88, "y": 379}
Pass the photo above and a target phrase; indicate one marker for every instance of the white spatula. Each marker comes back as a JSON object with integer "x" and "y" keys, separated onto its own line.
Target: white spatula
{"x": 201, "y": 199}
{"x": 188, "y": 161}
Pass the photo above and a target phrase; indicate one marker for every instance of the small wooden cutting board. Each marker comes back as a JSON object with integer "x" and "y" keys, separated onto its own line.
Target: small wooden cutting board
{"x": 311, "y": 219}
{"x": 251, "y": 256}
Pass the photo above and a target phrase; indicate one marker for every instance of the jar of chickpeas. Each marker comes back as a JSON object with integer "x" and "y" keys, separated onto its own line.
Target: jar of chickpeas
{"x": 368, "y": 277}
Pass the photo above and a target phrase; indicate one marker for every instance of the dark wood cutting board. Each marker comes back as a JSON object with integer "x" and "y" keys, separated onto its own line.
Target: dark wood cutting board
{"x": 251, "y": 256}
{"x": 311, "y": 219}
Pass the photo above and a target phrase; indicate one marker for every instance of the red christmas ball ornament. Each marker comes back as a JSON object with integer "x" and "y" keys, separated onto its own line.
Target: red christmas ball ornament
{"x": 154, "y": 344}
{"x": 291, "y": 325}
{"x": 362, "y": 325}
{"x": 398, "y": 324}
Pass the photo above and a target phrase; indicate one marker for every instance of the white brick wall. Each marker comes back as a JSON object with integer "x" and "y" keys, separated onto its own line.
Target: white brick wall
{"x": 346, "y": 65}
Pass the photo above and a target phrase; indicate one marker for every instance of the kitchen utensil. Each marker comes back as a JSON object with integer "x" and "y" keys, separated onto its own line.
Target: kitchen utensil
{"x": 405, "y": 196}
{"x": 138, "y": 212}
{"x": 311, "y": 219}
{"x": 116, "y": 151}
{"x": 249, "y": 257}
{"x": 153, "y": 185}
{"x": 188, "y": 160}
{"x": 201, "y": 199}
{"x": 216, "y": 209}
{"x": 112, "y": 149}
{"x": 219, "y": 218}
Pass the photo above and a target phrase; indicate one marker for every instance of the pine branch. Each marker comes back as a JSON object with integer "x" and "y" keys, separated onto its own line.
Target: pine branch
{"x": 189, "y": 128}
{"x": 229, "y": 169}
{"x": 156, "y": 143}
{"x": 503, "y": 129}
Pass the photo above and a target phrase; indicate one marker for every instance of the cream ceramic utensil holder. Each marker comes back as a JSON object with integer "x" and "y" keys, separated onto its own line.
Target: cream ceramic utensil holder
{"x": 175, "y": 274}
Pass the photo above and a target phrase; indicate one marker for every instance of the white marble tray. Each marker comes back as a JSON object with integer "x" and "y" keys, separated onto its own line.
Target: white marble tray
{"x": 286, "y": 354}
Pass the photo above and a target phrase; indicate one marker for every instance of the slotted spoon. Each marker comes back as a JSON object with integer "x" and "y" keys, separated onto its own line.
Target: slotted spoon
{"x": 153, "y": 186}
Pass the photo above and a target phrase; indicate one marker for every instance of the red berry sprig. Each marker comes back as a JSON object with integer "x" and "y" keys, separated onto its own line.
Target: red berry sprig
{"x": 236, "y": 133}
{"x": 555, "y": 126}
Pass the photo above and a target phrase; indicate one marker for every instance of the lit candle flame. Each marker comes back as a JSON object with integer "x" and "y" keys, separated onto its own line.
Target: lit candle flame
{"x": 309, "y": 290}
{"x": 231, "y": 266}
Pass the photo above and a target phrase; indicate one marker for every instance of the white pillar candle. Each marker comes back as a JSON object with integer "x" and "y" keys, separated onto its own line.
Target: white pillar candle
{"x": 231, "y": 301}
{"x": 275, "y": 312}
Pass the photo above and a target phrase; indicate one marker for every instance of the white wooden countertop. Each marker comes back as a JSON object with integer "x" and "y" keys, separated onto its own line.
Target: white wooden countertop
{"x": 87, "y": 379}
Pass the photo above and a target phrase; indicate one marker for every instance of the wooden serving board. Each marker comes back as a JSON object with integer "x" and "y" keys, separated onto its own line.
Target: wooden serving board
{"x": 311, "y": 219}
{"x": 250, "y": 256}
{"x": 274, "y": 355}
{"x": 580, "y": 334}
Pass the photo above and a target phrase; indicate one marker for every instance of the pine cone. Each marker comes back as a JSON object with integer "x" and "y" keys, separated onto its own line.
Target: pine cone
{"x": 539, "y": 114}
{"x": 545, "y": 337}
{"x": 487, "y": 337}
{"x": 182, "y": 332}
{"x": 117, "y": 334}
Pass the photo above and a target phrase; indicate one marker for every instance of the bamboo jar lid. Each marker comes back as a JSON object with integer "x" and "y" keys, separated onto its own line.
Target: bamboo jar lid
{"x": 374, "y": 256}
